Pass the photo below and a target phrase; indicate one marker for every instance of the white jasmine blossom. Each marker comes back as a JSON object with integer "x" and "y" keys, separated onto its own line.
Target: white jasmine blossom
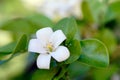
{"x": 48, "y": 45}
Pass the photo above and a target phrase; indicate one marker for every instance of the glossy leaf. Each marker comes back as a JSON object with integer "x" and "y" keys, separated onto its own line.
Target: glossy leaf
{"x": 19, "y": 47}
{"x": 94, "y": 53}
{"x": 39, "y": 20}
{"x": 75, "y": 51}
{"x": 7, "y": 49}
{"x": 77, "y": 69}
{"x": 86, "y": 12}
{"x": 115, "y": 7}
{"x": 104, "y": 74}
{"x": 44, "y": 74}
{"x": 69, "y": 27}
{"x": 91, "y": 10}
{"x": 18, "y": 25}
{"x": 109, "y": 15}
{"x": 110, "y": 41}
{"x": 27, "y": 25}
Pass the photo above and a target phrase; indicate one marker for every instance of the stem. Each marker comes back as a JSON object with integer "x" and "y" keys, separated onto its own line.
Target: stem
{"x": 63, "y": 70}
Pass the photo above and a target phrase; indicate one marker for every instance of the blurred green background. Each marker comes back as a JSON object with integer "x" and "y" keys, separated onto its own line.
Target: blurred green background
{"x": 95, "y": 18}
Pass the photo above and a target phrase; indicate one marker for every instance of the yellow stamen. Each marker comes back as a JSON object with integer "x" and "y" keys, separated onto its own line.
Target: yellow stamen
{"x": 50, "y": 47}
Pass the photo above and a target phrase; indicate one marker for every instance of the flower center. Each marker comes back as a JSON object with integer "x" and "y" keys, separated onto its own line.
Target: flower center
{"x": 49, "y": 47}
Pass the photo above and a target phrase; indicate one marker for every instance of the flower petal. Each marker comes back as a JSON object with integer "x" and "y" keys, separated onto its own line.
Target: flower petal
{"x": 36, "y": 46}
{"x": 61, "y": 54}
{"x": 43, "y": 61}
{"x": 57, "y": 38}
{"x": 44, "y": 34}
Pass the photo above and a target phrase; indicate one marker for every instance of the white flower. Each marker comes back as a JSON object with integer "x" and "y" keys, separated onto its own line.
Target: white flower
{"x": 47, "y": 44}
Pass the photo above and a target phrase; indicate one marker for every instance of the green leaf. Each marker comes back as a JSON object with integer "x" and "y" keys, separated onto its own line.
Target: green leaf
{"x": 75, "y": 51}
{"x": 105, "y": 74}
{"x": 18, "y": 48}
{"x": 110, "y": 41}
{"x": 109, "y": 15}
{"x": 94, "y": 53}
{"x": 44, "y": 74}
{"x": 7, "y": 49}
{"x": 91, "y": 10}
{"x": 86, "y": 12}
{"x": 69, "y": 28}
{"x": 21, "y": 45}
{"x": 77, "y": 69}
{"x": 18, "y": 25}
{"x": 40, "y": 20}
{"x": 27, "y": 25}
{"x": 62, "y": 71}
{"x": 115, "y": 7}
